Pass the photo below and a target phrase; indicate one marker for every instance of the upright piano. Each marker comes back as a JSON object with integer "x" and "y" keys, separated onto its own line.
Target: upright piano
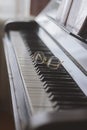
{"x": 44, "y": 69}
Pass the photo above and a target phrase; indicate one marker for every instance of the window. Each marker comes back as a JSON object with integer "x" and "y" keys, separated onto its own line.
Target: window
{"x": 72, "y": 14}
{"x": 14, "y": 8}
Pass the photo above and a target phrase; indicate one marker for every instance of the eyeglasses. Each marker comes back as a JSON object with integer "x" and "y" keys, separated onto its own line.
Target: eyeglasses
{"x": 52, "y": 62}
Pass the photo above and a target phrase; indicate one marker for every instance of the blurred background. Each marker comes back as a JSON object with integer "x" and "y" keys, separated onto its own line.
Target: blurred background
{"x": 14, "y": 8}
{"x": 20, "y": 8}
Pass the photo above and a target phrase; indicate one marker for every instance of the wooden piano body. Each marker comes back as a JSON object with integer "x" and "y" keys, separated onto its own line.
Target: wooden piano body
{"x": 20, "y": 41}
{"x": 6, "y": 107}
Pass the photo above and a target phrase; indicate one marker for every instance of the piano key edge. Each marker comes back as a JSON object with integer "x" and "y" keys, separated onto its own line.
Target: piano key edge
{"x": 21, "y": 104}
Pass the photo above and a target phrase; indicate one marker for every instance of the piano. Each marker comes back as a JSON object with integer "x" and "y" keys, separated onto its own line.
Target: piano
{"x": 44, "y": 71}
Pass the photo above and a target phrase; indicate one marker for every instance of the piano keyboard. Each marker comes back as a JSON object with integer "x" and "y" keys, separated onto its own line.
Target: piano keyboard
{"x": 35, "y": 86}
{"x": 39, "y": 99}
{"x": 59, "y": 85}
{"x": 61, "y": 89}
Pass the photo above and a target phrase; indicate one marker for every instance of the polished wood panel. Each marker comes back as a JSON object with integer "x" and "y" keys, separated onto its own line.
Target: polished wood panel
{"x": 37, "y": 5}
{"x": 6, "y": 109}
{"x": 6, "y": 122}
{"x": 83, "y": 30}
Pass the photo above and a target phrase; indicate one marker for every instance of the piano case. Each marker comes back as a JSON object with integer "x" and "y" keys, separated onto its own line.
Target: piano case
{"x": 66, "y": 87}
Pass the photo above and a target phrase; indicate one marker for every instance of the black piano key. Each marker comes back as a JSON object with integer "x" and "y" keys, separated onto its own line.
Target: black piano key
{"x": 70, "y": 105}
{"x": 66, "y": 94}
{"x": 45, "y": 72}
{"x": 43, "y": 68}
{"x": 59, "y": 85}
{"x": 62, "y": 89}
{"x": 66, "y": 98}
{"x": 57, "y": 78}
{"x": 75, "y": 94}
{"x": 55, "y": 75}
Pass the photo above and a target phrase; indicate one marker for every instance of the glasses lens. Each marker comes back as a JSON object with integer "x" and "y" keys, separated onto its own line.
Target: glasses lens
{"x": 53, "y": 63}
{"x": 39, "y": 57}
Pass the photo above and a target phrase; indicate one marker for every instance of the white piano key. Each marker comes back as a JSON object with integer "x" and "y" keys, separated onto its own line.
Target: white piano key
{"x": 39, "y": 99}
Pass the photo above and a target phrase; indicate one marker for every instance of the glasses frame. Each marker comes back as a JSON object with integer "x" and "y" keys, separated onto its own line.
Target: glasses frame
{"x": 40, "y": 56}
